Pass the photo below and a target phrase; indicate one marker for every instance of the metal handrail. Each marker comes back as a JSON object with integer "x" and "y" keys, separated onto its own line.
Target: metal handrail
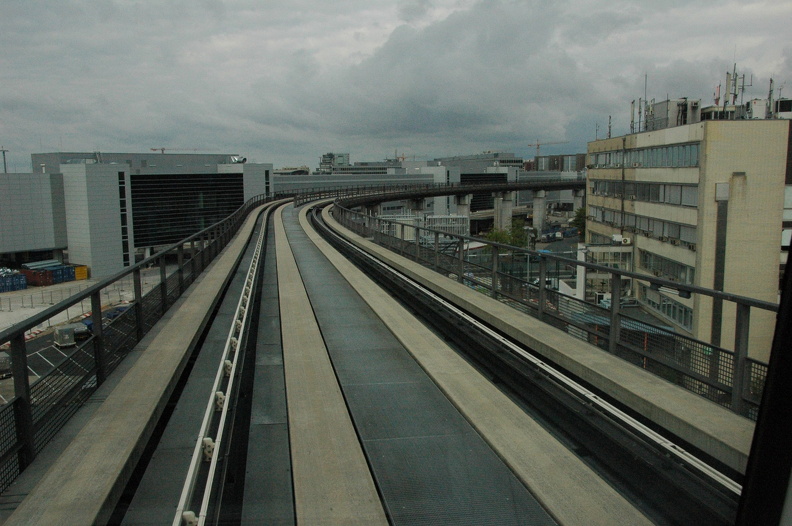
{"x": 26, "y": 434}
{"x": 206, "y": 447}
{"x": 370, "y": 225}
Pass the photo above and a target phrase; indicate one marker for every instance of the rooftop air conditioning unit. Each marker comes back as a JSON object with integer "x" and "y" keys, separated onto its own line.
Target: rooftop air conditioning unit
{"x": 692, "y": 247}
{"x": 674, "y": 241}
{"x": 663, "y": 238}
{"x": 626, "y": 241}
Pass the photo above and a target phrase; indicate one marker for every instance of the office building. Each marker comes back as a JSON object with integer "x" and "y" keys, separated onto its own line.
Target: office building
{"x": 705, "y": 203}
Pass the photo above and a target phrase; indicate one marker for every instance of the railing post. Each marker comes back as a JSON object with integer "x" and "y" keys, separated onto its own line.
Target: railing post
{"x": 417, "y": 244}
{"x": 542, "y": 290}
{"x": 614, "y": 333}
{"x": 494, "y": 275}
{"x": 98, "y": 337}
{"x": 203, "y": 251}
{"x": 740, "y": 356}
{"x": 437, "y": 251}
{"x": 180, "y": 269}
{"x": 163, "y": 284}
{"x": 192, "y": 259}
{"x": 461, "y": 273}
{"x": 138, "y": 287}
{"x": 216, "y": 238}
{"x": 23, "y": 411}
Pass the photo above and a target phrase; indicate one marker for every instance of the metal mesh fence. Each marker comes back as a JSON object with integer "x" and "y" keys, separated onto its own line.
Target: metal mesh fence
{"x": 700, "y": 367}
{"x": 9, "y": 444}
{"x": 120, "y": 337}
{"x": 63, "y": 389}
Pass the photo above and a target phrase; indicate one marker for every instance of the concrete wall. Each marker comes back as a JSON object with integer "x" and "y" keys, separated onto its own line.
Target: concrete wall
{"x": 31, "y": 209}
{"x": 93, "y": 222}
{"x": 755, "y": 215}
{"x": 256, "y": 179}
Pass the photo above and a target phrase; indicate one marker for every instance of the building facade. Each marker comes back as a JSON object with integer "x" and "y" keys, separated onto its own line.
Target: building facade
{"x": 701, "y": 204}
{"x": 106, "y": 210}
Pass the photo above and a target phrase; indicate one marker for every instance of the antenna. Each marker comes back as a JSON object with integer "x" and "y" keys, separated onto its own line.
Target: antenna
{"x": 5, "y": 167}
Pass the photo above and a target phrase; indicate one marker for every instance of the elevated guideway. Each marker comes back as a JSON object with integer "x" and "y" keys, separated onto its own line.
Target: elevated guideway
{"x": 354, "y": 411}
{"x": 717, "y": 432}
{"x": 85, "y": 482}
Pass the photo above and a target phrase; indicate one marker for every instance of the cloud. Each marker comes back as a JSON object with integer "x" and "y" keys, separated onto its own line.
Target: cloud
{"x": 283, "y": 82}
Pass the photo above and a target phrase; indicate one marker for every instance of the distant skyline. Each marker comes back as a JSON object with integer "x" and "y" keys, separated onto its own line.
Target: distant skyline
{"x": 284, "y": 82}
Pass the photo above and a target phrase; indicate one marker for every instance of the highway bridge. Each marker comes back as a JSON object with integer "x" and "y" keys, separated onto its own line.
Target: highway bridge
{"x": 301, "y": 367}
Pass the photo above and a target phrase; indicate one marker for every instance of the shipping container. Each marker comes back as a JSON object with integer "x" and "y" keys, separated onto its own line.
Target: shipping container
{"x": 11, "y": 283}
{"x": 38, "y": 278}
{"x": 80, "y": 272}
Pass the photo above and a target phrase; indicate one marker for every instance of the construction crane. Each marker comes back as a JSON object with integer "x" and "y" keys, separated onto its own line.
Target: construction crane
{"x": 163, "y": 150}
{"x": 537, "y": 144}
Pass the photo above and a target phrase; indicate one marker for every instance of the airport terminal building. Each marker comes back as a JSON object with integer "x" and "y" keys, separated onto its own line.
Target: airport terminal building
{"x": 105, "y": 209}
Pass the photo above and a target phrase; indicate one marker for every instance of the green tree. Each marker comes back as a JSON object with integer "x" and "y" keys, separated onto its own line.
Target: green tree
{"x": 517, "y": 233}
{"x": 516, "y": 236}
{"x": 579, "y": 221}
{"x": 498, "y": 236}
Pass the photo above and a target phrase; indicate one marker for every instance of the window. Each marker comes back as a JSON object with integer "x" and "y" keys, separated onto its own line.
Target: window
{"x": 689, "y": 196}
{"x": 687, "y": 234}
{"x": 673, "y": 194}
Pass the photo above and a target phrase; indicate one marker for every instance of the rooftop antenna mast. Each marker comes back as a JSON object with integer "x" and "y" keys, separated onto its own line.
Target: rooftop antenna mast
{"x": 5, "y": 166}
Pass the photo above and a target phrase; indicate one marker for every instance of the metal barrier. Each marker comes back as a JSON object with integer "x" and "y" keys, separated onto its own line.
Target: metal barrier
{"x": 194, "y": 504}
{"x": 523, "y": 278}
{"x": 43, "y": 401}
{"x": 359, "y": 194}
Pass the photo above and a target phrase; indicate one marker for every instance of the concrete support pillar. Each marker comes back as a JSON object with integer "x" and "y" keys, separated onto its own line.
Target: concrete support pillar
{"x": 504, "y": 206}
{"x": 539, "y": 211}
{"x": 497, "y": 208}
{"x": 580, "y": 199}
{"x": 463, "y": 204}
{"x": 373, "y": 210}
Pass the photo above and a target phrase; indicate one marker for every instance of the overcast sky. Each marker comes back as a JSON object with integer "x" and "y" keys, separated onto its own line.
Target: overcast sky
{"x": 284, "y": 82}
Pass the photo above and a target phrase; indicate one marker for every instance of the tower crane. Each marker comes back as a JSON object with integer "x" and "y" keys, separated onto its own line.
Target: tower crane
{"x": 537, "y": 144}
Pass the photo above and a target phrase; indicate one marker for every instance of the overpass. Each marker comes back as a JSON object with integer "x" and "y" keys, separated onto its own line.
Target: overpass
{"x": 362, "y": 467}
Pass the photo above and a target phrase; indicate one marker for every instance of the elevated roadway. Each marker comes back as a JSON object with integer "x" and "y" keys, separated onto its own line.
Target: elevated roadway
{"x": 352, "y": 411}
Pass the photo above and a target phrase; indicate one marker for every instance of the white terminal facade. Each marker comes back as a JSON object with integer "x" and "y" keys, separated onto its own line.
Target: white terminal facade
{"x": 105, "y": 210}
{"x": 699, "y": 201}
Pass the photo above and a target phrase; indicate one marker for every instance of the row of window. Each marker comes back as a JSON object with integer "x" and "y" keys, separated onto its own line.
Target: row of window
{"x": 676, "y": 156}
{"x": 669, "y": 308}
{"x": 672, "y": 194}
{"x": 667, "y": 268}
{"x": 648, "y": 226}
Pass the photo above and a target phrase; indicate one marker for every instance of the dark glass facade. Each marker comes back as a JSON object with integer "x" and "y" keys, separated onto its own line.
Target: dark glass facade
{"x": 168, "y": 208}
{"x": 482, "y": 201}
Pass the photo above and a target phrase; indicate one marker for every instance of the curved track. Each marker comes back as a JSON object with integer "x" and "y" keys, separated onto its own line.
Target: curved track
{"x": 315, "y": 397}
